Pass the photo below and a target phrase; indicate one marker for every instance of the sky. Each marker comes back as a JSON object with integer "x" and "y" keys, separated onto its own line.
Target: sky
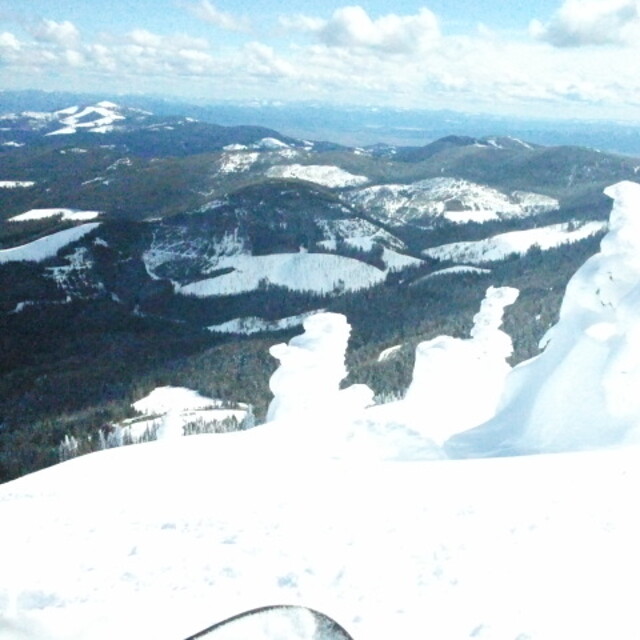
{"x": 560, "y": 58}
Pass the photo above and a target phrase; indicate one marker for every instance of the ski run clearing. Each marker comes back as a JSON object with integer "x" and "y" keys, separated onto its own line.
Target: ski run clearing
{"x": 253, "y": 324}
{"x": 75, "y": 215}
{"x": 325, "y": 175}
{"x": 503, "y": 245}
{"x": 16, "y": 184}
{"x": 46, "y": 247}
{"x": 317, "y": 272}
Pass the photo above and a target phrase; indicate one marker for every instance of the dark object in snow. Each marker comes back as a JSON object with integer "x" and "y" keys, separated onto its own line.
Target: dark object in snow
{"x": 297, "y": 623}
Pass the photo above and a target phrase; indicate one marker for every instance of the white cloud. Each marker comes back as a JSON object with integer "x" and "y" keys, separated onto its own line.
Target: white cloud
{"x": 209, "y": 13}
{"x": 590, "y": 22}
{"x": 59, "y": 33}
{"x": 8, "y": 42}
{"x": 352, "y": 28}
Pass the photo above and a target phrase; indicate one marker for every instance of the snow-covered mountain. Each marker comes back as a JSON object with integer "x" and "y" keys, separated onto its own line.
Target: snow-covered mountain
{"x": 356, "y": 511}
{"x": 453, "y": 199}
{"x": 166, "y": 241}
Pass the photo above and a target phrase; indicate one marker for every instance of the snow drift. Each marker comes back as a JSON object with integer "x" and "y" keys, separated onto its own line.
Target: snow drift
{"x": 582, "y": 391}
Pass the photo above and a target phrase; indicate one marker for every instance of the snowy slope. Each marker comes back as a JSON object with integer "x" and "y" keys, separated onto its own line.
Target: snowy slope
{"x": 453, "y": 199}
{"x": 253, "y": 324}
{"x": 16, "y": 184}
{"x": 326, "y": 175}
{"x": 162, "y": 539}
{"x": 67, "y": 214}
{"x": 358, "y": 515}
{"x": 317, "y": 272}
{"x": 48, "y": 246}
{"x": 503, "y": 245}
{"x": 98, "y": 118}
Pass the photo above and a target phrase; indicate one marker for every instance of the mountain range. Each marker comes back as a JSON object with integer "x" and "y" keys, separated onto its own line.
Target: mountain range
{"x": 139, "y": 250}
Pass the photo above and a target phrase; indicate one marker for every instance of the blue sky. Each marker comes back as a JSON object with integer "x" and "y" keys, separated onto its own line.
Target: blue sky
{"x": 574, "y": 58}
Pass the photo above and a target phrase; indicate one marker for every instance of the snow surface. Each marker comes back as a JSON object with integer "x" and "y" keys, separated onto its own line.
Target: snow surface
{"x": 582, "y": 391}
{"x": 353, "y": 515}
{"x": 318, "y": 272}
{"x": 325, "y": 175}
{"x": 15, "y": 184}
{"x": 503, "y": 245}
{"x": 101, "y": 116}
{"x": 67, "y": 214}
{"x": 48, "y": 246}
{"x": 173, "y": 408}
{"x": 253, "y": 324}
{"x": 237, "y": 162}
{"x": 458, "y": 269}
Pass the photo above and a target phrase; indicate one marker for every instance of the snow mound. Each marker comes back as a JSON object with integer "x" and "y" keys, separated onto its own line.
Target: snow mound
{"x": 325, "y": 175}
{"x": 46, "y": 247}
{"x": 582, "y": 391}
{"x": 501, "y": 246}
{"x": 445, "y": 367}
{"x": 306, "y": 386}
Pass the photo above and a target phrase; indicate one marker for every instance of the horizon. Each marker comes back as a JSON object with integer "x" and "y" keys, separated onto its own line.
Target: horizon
{"x": 556, "y": 60}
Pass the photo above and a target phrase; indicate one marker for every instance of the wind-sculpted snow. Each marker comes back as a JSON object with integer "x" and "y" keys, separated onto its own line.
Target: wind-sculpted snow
{"x": 325, "y": 175}
{"x": 306, "y": 386}
{"x": 503, "y": 245}
{"x": 582, "y": 391}
{"x": 46, "y": 247}
{"x": 457, "y": 383}
{"x": 318, "y": 272}
{"x": 453, "y": 199}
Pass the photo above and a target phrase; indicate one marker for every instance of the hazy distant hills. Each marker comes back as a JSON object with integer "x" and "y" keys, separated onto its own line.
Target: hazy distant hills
{"x": 138, "y": 248}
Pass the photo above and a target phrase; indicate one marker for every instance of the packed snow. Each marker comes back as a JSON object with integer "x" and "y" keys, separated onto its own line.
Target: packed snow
{"x": 503, "y": 245}
{"x": 452, "y": 199}
{"x": 317, "y": 272}
{"x": 355, "y": 510}
{"x": 325, "y": 175}
{"x": 76, "y": 215}
{"x": 252, "y": 324}
{"x": 46, "y": 247}
{"x": 457, "y": 270}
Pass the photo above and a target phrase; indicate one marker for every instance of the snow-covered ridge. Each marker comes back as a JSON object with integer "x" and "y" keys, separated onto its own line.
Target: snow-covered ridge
{"x": 325, "y": 175}
{"x": 503, "y": 245}
{"x": 67, "y": 214}
{"x": 453, "y": 199}
{"x": 46, "y": 247}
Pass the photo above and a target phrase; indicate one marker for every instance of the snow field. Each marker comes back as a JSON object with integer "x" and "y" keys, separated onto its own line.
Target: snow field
{"x": 48, "y": 246}
{"x": 320, "y": 273}
{"x": 503, "y": 245}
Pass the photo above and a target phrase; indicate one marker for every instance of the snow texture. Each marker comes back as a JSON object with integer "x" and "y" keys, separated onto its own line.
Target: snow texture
{"x": 581, "y": 392}
{"x": 325, "y": 175}
{"x": 46, "y": 247}
{"x": 503, "y": 245}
